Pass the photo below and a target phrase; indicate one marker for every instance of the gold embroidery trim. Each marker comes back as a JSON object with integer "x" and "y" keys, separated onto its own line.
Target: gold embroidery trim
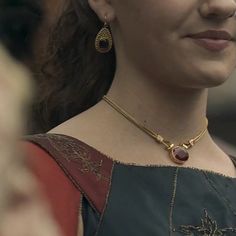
{"x": 171, "y": 230}
{"x": 148, "y": 165}
{"x": 72, "y": 151}
{"x": 105, "y": 206}
{"x": 208, "y": 227}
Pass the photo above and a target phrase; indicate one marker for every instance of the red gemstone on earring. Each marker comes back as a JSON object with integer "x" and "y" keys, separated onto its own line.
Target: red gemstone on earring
{"x": 179, "y": 155}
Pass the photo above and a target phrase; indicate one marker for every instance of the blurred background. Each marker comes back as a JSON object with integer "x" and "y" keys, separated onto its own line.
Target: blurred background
{"x": 222, "y": 114}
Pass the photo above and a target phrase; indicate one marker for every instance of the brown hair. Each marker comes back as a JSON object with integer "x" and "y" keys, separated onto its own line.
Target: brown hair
{"x": 75, "y": 76}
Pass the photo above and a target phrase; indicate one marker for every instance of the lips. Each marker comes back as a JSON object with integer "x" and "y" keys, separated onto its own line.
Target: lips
{"x": 215, "y": 45}
{"x": 213, "y": 34}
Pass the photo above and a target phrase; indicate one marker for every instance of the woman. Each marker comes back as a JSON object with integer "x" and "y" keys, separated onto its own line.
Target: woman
{"x": 133, "y": 156}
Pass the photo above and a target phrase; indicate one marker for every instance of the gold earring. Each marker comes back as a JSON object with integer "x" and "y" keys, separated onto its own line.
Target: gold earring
{"x": 103, "y": 42}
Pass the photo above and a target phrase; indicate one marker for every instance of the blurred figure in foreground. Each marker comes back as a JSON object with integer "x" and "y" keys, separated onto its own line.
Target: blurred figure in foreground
{"x": 23, "y": 208}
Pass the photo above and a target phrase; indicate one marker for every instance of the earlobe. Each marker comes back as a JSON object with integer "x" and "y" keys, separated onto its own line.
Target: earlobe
{"x": 103, "y": 8}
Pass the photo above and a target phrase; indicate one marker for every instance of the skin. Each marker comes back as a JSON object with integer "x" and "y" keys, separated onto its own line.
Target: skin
{"x": 162, "y": 80}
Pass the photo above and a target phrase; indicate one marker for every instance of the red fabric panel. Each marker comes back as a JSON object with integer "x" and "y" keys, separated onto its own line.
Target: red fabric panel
{"x": 62, "y": 195}
{"x": 89, "y": 169}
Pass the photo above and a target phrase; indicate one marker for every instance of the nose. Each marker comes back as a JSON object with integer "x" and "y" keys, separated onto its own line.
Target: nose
{"x": 219, "y": 9}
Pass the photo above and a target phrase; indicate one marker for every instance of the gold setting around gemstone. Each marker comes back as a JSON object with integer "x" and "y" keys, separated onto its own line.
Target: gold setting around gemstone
{"x": 103, "y": 42}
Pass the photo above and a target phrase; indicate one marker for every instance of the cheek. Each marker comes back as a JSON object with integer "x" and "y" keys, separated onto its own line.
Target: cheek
{"x": 155, "y": 42}
{"x": 154, "y": 20}
{"x": 136, "y": 16}
{"x": 150, "y": 42}
{"x": 149, "y": 26}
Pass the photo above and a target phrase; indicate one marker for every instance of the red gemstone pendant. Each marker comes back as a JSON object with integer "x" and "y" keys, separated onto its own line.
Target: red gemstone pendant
{"x": 179, "y": 155}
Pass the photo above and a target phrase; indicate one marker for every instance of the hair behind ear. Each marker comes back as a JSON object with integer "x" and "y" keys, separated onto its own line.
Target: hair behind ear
{"x": 75, "y": 76}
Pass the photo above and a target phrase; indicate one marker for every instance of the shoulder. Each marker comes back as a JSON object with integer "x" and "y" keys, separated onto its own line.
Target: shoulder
{"x": 81, "y": 165}
{"x": 69, "y": 171}
{"x": 63, "y": 197}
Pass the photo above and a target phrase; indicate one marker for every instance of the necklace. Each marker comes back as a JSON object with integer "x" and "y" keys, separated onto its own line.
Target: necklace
{"x": 178, "y": 153}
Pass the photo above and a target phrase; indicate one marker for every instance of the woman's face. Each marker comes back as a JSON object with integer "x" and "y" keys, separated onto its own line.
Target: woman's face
{"x": 153, "y": 36}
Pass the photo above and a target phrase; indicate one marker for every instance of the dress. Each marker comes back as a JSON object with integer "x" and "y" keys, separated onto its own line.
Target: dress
{"x": 117, "y": 199}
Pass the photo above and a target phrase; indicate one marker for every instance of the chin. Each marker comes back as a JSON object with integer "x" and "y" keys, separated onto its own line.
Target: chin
{"x": 216, "y": 83}
{"x": 213, "y": 76}
{"x": 211, "y": 82}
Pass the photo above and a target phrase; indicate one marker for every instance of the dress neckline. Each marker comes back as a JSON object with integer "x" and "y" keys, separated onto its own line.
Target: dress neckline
{"x": 206, "y": 171}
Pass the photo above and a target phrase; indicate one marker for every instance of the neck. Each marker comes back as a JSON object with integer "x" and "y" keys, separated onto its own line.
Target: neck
{"x": 176, "y": 114}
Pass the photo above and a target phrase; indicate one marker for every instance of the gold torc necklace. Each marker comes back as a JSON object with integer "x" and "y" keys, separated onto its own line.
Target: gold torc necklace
{"x": 177, "y": 153}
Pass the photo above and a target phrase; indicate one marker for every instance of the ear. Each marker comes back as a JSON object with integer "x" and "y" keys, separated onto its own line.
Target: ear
{"x": 103, "y": 9}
